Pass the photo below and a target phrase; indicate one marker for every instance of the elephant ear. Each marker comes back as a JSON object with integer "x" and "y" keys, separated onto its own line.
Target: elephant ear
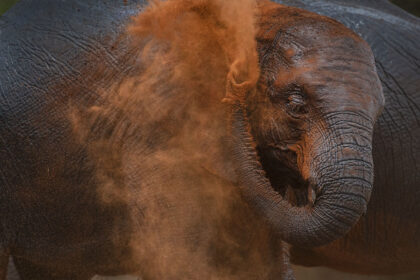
{"x": 236, "y": 91}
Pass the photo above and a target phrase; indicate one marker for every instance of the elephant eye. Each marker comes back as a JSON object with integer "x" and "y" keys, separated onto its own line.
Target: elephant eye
{"x": 296, "y": 104}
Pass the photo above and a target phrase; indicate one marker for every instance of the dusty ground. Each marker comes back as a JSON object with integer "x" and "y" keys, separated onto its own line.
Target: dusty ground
{"x": 300, "y": 272}
{"x": 313, "y": 274}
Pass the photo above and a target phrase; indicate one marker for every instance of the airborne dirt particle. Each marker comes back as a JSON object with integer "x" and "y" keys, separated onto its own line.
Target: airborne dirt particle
{"x": 163, "y": 151}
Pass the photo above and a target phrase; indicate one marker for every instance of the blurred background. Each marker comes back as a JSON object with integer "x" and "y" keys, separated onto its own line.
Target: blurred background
{"x": 412, "y": 6}
{"x": 6, "y": 4}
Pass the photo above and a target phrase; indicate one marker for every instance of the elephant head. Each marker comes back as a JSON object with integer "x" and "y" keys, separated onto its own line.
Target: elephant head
{"x": 308, "y": 125}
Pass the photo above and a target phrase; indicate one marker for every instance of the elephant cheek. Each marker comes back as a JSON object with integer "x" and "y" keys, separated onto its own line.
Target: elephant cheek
{"x": 304, "y": 164}
{"x": 303, "y": 159}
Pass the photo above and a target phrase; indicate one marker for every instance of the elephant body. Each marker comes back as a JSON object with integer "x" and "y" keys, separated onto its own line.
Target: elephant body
{"x": 58, "y": 223}
{"x": 68, "y": 210}
{"x": 59, "y": 40}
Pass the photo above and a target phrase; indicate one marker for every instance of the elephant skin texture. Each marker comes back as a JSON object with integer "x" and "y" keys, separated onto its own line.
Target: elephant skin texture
{"x": 112, "y": 162}
{"x": 95, "y": 181}
{"x": 386, "y": 239}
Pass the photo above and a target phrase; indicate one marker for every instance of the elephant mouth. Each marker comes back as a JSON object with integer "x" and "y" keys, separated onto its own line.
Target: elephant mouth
{"x": 283, "y": 173}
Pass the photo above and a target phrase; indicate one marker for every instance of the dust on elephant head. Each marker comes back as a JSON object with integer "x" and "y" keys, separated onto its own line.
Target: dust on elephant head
{"x": 311, "y": 119}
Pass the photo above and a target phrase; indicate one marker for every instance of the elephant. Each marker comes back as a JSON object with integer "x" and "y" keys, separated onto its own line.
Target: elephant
{"x": 102, "y": 178}
{"x": 63, "y": 217}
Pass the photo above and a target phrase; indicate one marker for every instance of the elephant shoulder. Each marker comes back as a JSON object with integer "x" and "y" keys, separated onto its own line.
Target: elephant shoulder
{"x": 50, "y": 50}
{"x": 49, "y": 42}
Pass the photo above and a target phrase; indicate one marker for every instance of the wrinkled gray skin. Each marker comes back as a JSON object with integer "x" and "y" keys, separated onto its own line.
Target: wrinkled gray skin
{"x": 57, "y": 56}
{"x": 387, "y": 239}
{"x": 30, "y": 36}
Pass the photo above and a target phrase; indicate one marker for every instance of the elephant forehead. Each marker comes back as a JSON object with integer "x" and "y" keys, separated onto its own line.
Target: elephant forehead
{"x": 336, "y": 82}
{"x": 278, "y": 21}
{"x": 330, "y": 62}
{"x": 347, "y": 79}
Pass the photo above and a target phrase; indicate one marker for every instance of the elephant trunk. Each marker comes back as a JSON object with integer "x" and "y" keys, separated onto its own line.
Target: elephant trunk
{"x": 343, "y": 185}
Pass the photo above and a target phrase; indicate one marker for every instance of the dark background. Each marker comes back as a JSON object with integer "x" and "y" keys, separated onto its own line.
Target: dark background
{"x": 412, "y": 6}
{"x": 6, "y": 4}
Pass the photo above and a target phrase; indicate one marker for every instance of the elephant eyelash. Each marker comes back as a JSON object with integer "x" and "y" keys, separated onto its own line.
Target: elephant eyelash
{"x": 296, "y": 99}
{"x": 296, "y": 102}
{"x": 295, "y": 89}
